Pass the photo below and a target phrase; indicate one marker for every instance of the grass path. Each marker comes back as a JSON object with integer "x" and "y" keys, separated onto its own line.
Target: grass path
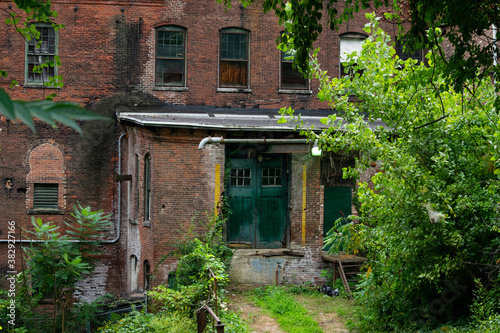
{"x": 321, "y": 309}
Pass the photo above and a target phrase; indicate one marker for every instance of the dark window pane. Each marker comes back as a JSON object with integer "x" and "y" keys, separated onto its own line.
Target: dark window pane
{"x": 417, "y": 55}
{"x": 170, "y": 71}
{"x": 234, "y": 46}
{"x": 290, "y": 78}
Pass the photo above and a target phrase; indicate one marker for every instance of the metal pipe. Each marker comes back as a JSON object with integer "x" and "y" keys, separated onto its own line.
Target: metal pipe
{"x": 220, "y": 139}
{"x": 119, "y": 211}
{"x": 119, "y": 218}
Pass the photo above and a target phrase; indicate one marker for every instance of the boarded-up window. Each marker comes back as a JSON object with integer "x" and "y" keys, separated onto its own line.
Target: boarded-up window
{"x": 233, "y": 71}
{"x": 41, "y": 51}
{"x": 46, "y": 196}
{"x": 170, "y": 56}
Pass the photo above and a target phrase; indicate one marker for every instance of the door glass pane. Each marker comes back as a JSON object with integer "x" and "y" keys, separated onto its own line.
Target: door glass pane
{"x": 240, "y": 177}
{"x": 271, "y": 177}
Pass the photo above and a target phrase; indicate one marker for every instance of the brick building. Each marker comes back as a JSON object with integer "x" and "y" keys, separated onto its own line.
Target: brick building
{"x": 175, "y": 75}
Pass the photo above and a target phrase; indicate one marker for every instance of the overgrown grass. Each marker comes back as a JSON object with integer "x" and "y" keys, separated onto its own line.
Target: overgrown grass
{"x": 289, "y": 313}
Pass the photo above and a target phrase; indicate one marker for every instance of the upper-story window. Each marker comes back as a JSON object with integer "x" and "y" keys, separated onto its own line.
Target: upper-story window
{"x": 350, "y": 42}
{"x": 403, "y": 55}
{"x": 171, "y": 56}
{"x": 234, "y": 66}
{"x": 291, "y": 78}
{"x": 41, "y": 53}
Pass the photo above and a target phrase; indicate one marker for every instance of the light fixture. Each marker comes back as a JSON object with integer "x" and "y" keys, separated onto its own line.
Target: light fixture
{"x": 76, "y": 8}
{"x": 315, "y": 151}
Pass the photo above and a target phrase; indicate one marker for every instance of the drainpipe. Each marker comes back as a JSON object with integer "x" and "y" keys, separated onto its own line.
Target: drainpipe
{"x": 209, "y": 140}
{"x": 119, "y": 209}
{"x": 119, "y": 217}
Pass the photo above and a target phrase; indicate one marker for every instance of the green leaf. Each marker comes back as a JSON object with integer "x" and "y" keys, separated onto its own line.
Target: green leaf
{"x": 6, "y": 107}
{"x": 23, "y": 114}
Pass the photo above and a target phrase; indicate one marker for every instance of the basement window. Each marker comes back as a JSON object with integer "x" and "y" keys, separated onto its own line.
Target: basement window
{"x": 46, "y": 196}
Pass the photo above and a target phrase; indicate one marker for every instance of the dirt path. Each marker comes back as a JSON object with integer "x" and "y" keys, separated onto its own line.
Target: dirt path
{"x": 321, "y": 310}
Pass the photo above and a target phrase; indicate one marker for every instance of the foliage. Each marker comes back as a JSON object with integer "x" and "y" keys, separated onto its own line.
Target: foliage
{"x": 429, "y": 219}
{"x": 55, "y": 262}
{"x": 289, "y": 313}
{"x": 46, "y": 111}
{"x": 469, "y": 35}
{"x": 203, "y": 261}
{"x": 136, "y": 322}
{"x": 185, "y": 299}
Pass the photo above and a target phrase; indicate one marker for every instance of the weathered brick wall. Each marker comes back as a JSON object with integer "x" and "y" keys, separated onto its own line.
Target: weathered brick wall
{"x": 183, "y": 187}
{"x": 105, "y": 50}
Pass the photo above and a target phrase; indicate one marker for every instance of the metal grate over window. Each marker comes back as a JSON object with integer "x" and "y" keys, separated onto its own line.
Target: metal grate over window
{"x": 240, "y": 177}
{"x": 271, "y": 177}
{"x": 46, "y": 196}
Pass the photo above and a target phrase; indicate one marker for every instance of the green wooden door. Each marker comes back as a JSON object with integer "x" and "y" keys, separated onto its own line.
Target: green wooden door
{"x": 337, "y": 200}
{"x": 257, "y": 196}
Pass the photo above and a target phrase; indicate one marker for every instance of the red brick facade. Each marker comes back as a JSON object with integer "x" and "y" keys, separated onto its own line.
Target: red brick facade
{"x": 107, "y": 49}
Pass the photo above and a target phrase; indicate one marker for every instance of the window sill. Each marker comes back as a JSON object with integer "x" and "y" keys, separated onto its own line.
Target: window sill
{"x": 166, "y": 88}
{"x": 41, "y": 211}
{"x": 234, "y": 90}
{"x": 146, "y": 224}
{"x": 295, "y": 91}
{"x": 38, "y": 86}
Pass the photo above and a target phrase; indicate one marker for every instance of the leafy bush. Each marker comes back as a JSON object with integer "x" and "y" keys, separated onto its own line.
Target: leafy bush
{"x": 429, "y": 217}
{"x": 136, "y": 322}
{"x": 183, "y": 300}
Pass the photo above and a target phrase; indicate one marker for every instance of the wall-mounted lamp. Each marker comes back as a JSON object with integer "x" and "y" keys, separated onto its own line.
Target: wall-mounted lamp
{"x": 315, "y": 151}
{"x": 10, "y": 6}
{"x": 76, "y": 8}
{"x": 122, "y": 9}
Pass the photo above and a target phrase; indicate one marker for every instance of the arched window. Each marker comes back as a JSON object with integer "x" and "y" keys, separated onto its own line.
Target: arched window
{"x": 349, "y": 42}
{"x": 46, "y": 180}
{"x": 170, "y": 56}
